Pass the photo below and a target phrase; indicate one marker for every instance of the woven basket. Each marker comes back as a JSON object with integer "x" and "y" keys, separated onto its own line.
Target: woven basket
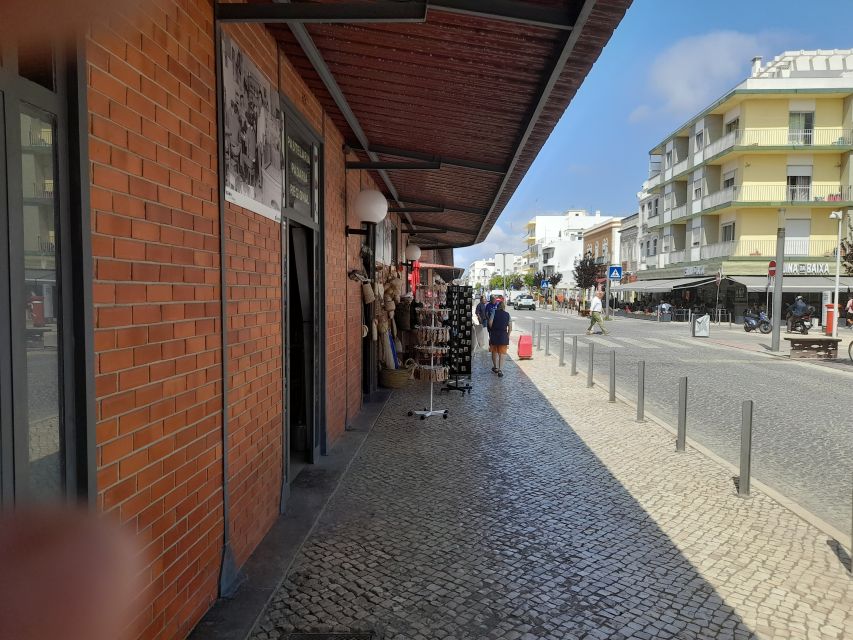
{"x": 394, "y": 378}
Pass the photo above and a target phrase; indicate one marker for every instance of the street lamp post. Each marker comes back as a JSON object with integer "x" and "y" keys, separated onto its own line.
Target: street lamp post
{"x": 503, "y": 258}
{"x": 777, "y": 285}
{"x": 836, "y": 215}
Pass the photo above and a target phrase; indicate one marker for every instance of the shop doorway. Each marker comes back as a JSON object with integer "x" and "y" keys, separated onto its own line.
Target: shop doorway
{"x": 303, "y": 368}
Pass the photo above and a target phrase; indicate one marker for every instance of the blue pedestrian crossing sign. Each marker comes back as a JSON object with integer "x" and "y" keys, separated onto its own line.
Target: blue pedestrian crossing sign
{"x": 615, "y": 272}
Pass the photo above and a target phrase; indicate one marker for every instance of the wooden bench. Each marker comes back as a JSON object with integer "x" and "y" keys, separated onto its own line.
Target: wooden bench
{"x": 818, "y": 347}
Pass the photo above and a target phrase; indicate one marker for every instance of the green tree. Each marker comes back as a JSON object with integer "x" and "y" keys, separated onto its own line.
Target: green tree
{"x": 847, "y": 256}
{"x": 586, "y": 273}
{"x": 497, "y": 282}
{"x": 515, "y": 281}
{"x": 527, "y": 278}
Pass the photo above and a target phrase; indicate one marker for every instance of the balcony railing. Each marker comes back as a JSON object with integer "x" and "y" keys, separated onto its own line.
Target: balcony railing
{"x": 679, "y": 212}
{"x": 681, "y": 167}
{"x": 782, "y": 137}
{"x": 717, "y": 250}
{"x": 677, "y": 256}
{"x": 783, "y": 193}
{"x": 718, "y": 146}
{"x": 793, "y": 247}
{"x": 719, "y": 197}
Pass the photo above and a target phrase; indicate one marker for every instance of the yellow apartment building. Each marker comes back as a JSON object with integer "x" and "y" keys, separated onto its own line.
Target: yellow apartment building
{"x": 775, "y": 150}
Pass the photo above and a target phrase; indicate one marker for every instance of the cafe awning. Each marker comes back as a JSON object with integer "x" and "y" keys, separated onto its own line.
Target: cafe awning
{"x": 795, "y": 284}
{"x": 447, "y": 102}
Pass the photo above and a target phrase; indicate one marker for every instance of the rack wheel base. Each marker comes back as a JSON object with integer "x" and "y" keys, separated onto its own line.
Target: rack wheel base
{"x": 411, "y": 413}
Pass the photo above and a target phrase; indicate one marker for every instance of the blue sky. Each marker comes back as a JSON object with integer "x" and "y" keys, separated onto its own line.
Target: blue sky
{"x": 667, "y": 60}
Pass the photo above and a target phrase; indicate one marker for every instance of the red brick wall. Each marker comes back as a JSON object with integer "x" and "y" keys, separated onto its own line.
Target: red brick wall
{"x": 255, "y": 379}
{"x": 158, "y": 342}
{"x": 254, "y": 337}
{"x": 156, "y": 259}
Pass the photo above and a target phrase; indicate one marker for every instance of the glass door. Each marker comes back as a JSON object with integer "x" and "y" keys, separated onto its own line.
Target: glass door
{"x": 37, "y": 462}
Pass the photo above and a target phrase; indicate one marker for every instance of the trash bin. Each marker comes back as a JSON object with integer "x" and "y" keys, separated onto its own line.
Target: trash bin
{"x": 701, "y": 327}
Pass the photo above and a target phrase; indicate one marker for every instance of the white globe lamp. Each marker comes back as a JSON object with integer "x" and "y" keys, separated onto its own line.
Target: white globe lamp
{"x": 371, "y": 206}
{"x": 413, "y": 252}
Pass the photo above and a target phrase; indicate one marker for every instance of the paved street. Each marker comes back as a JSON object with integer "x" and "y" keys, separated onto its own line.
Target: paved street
{"x": 803, "y": 420}
{"x": 538, "y": 510}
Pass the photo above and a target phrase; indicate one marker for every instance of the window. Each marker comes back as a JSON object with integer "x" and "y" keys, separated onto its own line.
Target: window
{"x": 697, "y": 188}
{"x": 729, "y": 180}
{"x": 668, "y": 162}
{"x": 799, "y": 188}
{"x": 732, "y": 125}
{"x": 667, "y": 202}
{"x": 727, "y": 232}
{"x": 596, "y": 249}
{"x": 648, "y": 247}
{"x": 605, "y": 248}
{"x": 800, "y": 127}
{"x": 700, "y": 140}
{"x": 655, "y": 209}
{"x": 654, "y": 246}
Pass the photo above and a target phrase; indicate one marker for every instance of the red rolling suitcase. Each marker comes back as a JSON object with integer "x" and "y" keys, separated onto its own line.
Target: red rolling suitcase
{"x": 525, "y": 347}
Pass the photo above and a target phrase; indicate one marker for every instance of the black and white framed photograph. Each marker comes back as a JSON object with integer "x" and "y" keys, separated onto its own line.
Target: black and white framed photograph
{"x": 253, "y": 134}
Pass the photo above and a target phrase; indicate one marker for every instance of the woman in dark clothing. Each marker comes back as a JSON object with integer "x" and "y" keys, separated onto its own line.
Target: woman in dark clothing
{"x": 500, "y": 326}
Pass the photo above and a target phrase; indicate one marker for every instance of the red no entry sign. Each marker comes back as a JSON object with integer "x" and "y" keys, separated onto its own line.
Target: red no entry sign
{"x": 771, "y": 268}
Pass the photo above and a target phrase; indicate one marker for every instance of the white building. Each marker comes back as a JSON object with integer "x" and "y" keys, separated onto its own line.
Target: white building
{"x": 541, "y": 230}
{"x": 478, "y": 273}
{"x": 558, "y": 255}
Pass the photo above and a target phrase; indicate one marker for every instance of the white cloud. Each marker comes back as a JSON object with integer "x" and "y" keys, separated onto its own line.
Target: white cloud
{"x": 498, "y": 240}
{"x": 695, "y": 70}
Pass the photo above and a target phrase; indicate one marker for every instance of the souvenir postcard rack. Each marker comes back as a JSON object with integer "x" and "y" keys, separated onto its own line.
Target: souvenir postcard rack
{"x": 431, "y": 351}
{"x": 461, "y": 335}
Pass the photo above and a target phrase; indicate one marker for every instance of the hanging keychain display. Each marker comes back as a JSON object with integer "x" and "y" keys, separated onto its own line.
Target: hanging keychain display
{"x": 461, "y": 338}
{"x": 432, "y": 349}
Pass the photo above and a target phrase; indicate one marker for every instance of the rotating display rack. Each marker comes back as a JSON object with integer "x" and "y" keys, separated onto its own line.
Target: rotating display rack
{"x": 431, "y": 351}
{"x": 461, "y": 336}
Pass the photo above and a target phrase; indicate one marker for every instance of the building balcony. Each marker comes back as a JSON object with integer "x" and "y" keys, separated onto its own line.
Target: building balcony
{"x": 602, "y": 260}
{"x": 681, "y": 167}
{"x": 832, "y": 195}
{"x": 764, "y": 249}
{"x": 716, "y": 250}
{"x": 831, "y": 137}
{"x": 794, "y": 247}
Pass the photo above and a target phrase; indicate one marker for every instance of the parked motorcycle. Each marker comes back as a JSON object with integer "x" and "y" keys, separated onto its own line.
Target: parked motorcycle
{"x": 751, "y": 322}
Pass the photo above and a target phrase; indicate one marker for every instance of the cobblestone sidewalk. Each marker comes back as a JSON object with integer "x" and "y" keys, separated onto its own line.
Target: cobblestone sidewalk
{"x": 506, "y": 522}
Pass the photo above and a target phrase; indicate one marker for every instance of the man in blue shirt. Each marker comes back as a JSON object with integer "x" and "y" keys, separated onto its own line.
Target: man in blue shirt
{"x": 480, "y": 312}
{"x": 490, "y": 308}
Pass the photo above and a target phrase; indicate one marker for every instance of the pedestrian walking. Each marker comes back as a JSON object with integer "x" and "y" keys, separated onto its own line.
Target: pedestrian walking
{"x": 500, "y": 326}
{"x": 483, "y": 328}
{"x": 595, "y": 314}
{"x": 848, "y": 313}
{"x": 490, "y": 308}
{"x": 480, "y": 312}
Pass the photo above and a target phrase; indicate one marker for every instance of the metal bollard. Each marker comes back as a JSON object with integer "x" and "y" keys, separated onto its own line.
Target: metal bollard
{"x": 681, "y": 440}
{"x": 533, "y": 331}
{"x": 745, "y": 449}
{"x": 612, "y": 376}
{"x": 539, "y": 338}
{"x": 641, "y": 391}
{"x": 563, "y": 348}
{"x": 547, "y": 339}
{"x": 574, "y": 355}
{"x": 591, "y": 362}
